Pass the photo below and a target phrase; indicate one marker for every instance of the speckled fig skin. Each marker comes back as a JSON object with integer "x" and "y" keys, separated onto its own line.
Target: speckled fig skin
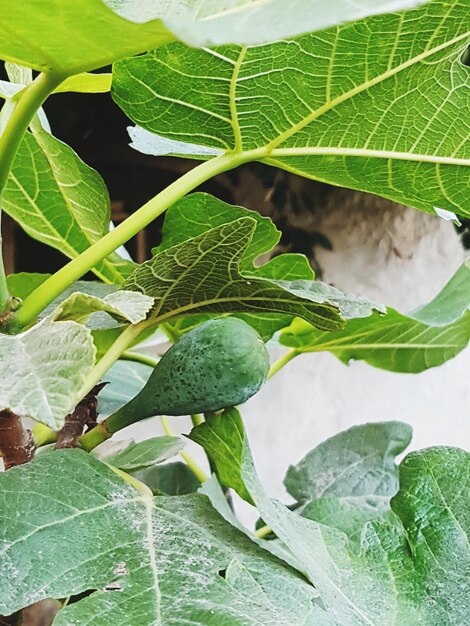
{"x": 219, "y": 364}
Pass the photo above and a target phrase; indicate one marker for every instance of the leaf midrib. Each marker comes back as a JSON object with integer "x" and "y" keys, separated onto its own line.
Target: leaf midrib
{"x": 287, "y": 134}
{"x": 86, "y": 232}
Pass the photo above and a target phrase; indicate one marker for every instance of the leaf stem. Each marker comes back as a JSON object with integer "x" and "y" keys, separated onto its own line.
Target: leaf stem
{"x": 29, "y": 102}
{"x": 36, "y": 301}
{"x": 190, "y": 462}
{"x": 263, "y": 532}
{"x": 284, "y": 360}
{"x": 196, "y": 419}
{"x": 43, "y": 435}
{"x": 136, "y": 357}
{"x": 4, "y": 295}
{"x": 124, "y": 340}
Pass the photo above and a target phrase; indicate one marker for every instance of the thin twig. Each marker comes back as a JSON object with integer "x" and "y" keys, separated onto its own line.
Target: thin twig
{"x": 85, "y": 414}
{"x": 16, "y": 443}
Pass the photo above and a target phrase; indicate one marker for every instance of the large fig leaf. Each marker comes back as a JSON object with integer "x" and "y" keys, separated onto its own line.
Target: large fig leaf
{"x": 60, "y": 201}
{"x": 205, "y": 265}
{"x": 425, "y": 338}
{"x": 413, "y": 571}
{"x": 209, "y": 22}
{"x": 368, "y": 105}
{"x": 72, "y": 37}
{"x": 350, "y": 478}
{"x": 76, "y": 526}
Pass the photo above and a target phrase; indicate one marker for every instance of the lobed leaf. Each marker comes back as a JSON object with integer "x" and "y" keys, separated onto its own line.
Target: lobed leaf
{"x": 363, "y": 105}
{"x": 350, "y": 478}
{"x": 426, "y": 338}
{"x": 412, "y": 572}
{"x": 140, "y": 556}
{"x": 212, "y": 271}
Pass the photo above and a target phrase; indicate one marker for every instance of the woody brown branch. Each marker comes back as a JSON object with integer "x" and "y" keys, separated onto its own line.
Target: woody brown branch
{"x": 16, "y": 443}
{"x": 85, "y": 414}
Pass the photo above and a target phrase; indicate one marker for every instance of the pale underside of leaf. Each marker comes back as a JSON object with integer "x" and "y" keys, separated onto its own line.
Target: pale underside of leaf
{"x": 203, "y": 274}
{"x": 124, "y": 306}
{"x": 151, "y": 561}
{"x": 43, "y": 370}
{"x": 73, "y": 37}
{"x": 214, "y": 22}
{"x": 427, "y": 337}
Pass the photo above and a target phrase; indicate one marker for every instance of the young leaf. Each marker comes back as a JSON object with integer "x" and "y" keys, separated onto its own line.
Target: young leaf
{"x": 170, "y": 479}
{"x": 22, "y": 284}
{"x": 363, "y": 105}
{"x": 425, "y": 338}
{"x": 138, "y": 456}
{"x": 350, "y": 478}
{"x": 224, "y": 448}
{"x": 139, "y": 556}
{"x": 60, "y": 201}
{"x": 86, "y": 82}
{"x": 214, "y": 257}
{"x": 124, "y": 306}
{"x": 43, "y": 370}
{"x": 125, "y": 379}
{"x": 227, "y": 282}
{"x": 417, "y": 573}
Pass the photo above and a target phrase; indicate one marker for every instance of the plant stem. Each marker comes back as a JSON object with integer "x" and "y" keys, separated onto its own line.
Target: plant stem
{"x": 98, "y": 434}
{"x": 4, "y": 295}
{"x": 84, "y": 414}
{"x": 29, "y": 102}
{"x": 16, "y": 443}
{"x": 43, "y": 435}
{"x": 172, "y": 333}
{"x": 190, "y": 462}
{"x": 284, "y": 360}
{"x": 196, "y": 419}
{"x": 263, "y": 532}
{"x": 124, "y": 340}
{"x": 36, "y": 301}
{"x": 138, "y": 358}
